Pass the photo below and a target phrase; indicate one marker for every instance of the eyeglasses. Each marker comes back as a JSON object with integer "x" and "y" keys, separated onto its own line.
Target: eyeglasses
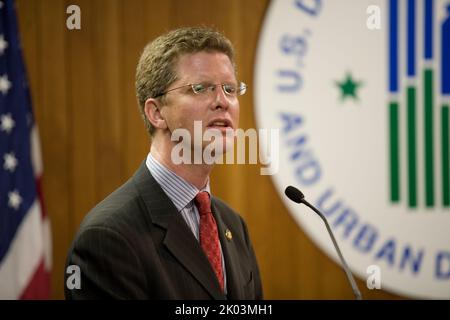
{"x": 205, "y": 88}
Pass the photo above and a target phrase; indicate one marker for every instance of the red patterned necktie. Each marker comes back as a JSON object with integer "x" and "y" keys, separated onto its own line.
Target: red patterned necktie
{"x": 209, "y": 237}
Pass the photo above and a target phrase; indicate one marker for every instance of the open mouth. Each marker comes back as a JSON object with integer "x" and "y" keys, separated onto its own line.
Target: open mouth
{"x": 220, "y": 124}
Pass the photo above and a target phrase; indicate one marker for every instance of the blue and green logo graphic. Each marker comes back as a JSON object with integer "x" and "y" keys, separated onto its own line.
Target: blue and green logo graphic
{"x": 422, "y": 72}
{"x": 362, "y": 106}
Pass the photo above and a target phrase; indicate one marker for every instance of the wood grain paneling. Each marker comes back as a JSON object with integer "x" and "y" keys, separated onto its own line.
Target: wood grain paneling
{"x": 109, "y": 127}
{"x": 93, "y": 137}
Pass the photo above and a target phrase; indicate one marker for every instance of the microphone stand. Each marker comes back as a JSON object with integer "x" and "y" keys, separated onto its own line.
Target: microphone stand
{"x": 345, "y": 266}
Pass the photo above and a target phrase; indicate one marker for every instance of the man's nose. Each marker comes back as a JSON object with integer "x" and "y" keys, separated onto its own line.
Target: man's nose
{"x": 221, "y": 100}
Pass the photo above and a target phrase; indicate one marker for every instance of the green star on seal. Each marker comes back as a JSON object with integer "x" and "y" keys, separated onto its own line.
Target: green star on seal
{"x": 349, "y": 87}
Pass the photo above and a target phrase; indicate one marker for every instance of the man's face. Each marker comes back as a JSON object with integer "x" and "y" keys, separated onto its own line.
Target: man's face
{"x": 214, "y": 109}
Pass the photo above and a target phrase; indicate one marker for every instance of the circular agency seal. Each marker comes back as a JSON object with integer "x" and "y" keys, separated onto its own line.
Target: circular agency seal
{"x": 360, "y": 93}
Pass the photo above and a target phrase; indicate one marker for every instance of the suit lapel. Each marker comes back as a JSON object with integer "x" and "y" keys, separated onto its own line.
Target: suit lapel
{"x": 178, "y": 239}
{"x": 231, "y": 257}
{"x": 181, "y": 242}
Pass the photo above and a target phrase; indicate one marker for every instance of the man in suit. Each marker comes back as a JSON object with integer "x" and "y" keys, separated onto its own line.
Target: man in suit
{"x": 162, "y": 235}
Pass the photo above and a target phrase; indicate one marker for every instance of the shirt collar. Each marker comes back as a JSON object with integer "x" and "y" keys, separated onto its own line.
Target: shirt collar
{"x": 177, "y": 189}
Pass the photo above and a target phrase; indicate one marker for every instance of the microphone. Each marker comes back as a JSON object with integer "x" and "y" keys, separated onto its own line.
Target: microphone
{"x": 297, "y": 196}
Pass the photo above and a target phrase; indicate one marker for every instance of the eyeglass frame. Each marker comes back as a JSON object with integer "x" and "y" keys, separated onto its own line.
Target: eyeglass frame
{"x": 240, "y": 89}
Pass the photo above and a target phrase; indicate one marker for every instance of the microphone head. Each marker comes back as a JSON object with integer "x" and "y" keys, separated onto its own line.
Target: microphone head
{"x": 294, "y": 194}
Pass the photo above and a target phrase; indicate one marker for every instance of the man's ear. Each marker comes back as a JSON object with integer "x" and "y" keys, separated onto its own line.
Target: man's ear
{"x": 152, "y": 110}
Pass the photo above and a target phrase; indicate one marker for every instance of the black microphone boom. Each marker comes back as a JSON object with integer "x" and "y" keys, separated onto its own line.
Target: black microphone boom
{"x": 297, "y": 196}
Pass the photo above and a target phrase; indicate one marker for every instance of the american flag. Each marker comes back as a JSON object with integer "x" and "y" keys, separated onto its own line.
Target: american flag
{"x": 24, "y": 227}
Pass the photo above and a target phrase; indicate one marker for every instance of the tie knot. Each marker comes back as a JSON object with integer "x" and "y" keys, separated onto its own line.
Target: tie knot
{"x": 203, "y": 203}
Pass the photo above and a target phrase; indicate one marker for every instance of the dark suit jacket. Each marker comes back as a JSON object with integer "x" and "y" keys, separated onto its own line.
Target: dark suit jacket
{"x": 136, "y": 245}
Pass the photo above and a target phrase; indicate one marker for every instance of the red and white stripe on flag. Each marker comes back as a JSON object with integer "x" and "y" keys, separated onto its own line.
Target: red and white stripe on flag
{"x": 25, "y": 245}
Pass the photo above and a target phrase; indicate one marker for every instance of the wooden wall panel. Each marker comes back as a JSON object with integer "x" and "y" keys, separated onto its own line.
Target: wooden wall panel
{"x": 56, "y": 126}
{"x": 93, "y": 137}
{"x": 136, "y": 15}
{"x": 109, "y": 128}
{"x": 83, "y": 102}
